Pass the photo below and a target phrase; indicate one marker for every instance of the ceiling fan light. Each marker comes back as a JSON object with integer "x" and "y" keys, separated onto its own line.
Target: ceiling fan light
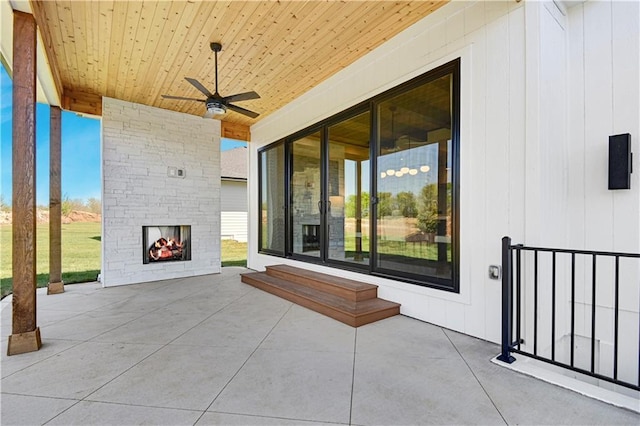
{"x": 216, "y": 108}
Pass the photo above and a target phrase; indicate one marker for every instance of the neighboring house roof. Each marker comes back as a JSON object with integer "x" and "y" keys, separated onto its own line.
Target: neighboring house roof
{"x": 233, "y": 164}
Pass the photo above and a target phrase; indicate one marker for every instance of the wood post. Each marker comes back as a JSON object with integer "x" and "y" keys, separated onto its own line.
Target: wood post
{"x": 25, "y": 335}
{"x": 56, "y": 284}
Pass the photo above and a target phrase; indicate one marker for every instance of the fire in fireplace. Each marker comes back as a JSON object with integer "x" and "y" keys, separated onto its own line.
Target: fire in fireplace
{"x": 166, "y": 243}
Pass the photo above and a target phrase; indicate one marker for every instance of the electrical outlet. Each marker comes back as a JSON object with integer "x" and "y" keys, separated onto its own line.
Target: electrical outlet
{"x": 495, "y": 272}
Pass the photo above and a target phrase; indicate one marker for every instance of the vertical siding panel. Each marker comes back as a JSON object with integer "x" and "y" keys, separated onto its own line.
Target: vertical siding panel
{"x": 626, "y": 117}
{"x": 553, "y": 128}
{"x": 626, "y": 203}
{"x": 472, "y": 174}
{"x": 577, "y": 189}
{"x": 516, "y": 123}
{"x": 496, "y": 162}
{"x": 598, "y": 124}
{"x": 553, "y": 162}
{"x": 532, "y": 124}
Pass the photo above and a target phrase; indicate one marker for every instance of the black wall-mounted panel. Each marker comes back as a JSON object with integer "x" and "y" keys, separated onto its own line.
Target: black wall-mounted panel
{"x": 620, "y": 161}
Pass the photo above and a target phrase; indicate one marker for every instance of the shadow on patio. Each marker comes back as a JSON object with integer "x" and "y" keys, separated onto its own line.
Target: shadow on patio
{"x": 212, "y": 350}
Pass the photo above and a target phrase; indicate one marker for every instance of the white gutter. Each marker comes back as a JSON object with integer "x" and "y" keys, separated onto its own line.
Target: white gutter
{"x": 46, "y": 88}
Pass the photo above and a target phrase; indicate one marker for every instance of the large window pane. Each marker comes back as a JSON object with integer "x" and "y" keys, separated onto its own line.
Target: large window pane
{"x": 272, "y": 200}
{"x": 306, "y": 192}
{"x": 414, "y": 213}
{"x": 349, "y": 191}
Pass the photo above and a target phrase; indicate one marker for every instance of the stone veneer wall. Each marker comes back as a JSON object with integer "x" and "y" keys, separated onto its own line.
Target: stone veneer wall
{"x": 139, "y": 145}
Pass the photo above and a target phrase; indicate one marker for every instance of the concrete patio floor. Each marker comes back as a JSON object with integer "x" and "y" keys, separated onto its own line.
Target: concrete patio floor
{"x": 212, "y": 350}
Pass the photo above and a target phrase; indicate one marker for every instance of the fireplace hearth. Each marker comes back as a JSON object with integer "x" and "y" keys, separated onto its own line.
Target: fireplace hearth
{"x": 166, "y": 243}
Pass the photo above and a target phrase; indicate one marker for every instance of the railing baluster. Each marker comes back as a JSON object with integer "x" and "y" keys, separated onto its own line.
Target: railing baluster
{"x": 535, "y": 302}
{"x": 553, "y": 306}
{"x": 593, "y": 317}
{"x": 518, "y": 300}
{"x": 615, "y": 327}
{"x": 573, "y": 305}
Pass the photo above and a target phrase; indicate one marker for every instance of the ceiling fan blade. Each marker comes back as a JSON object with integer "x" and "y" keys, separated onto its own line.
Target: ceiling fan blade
{"x": 182, "y": 99}
{"x": 199, "y": 86}
{"x": 242, "y": 97}
{"x": 243, "y": 111}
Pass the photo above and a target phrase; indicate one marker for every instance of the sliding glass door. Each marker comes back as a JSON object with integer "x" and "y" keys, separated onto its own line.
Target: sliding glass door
{"x": 373, "y": 189}
{"x": 348, "y": 190}
{"x": 330, "y": 192}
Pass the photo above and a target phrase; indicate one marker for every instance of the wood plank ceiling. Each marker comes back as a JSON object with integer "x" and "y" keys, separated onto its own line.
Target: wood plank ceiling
{"x": 139, "y": 50}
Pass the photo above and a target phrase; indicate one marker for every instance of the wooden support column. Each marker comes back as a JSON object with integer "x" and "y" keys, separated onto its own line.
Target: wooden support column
{"x": 56, "y": 284}
{"x": 25, "y": 335}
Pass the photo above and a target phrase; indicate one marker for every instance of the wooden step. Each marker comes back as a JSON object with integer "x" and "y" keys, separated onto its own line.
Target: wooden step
{"x": 353, "y": 313}
{"x": 342, "y": 287}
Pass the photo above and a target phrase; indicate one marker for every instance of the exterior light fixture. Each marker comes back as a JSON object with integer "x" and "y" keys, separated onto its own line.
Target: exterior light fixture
{"x": 413, "y": 172}
{"x": 425, "y": 169}
{"x": 383, "y": 175}
{"x": 391, "y": 172}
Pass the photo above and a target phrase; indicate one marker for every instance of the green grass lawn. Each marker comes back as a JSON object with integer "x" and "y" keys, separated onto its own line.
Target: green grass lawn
{"x": 81, "y": 254}
{"x": 233, "y": 253}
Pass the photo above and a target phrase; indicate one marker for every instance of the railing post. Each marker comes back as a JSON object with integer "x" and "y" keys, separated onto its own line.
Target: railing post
{"x": 507, "y": 302}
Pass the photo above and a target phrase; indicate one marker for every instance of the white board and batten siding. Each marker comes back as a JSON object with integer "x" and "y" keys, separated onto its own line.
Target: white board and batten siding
{"x": 233, "y": 210}
{"x": 542, "y": 88}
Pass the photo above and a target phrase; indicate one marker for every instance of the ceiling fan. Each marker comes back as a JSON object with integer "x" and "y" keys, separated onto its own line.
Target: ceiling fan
{"x": 215, "y": 103}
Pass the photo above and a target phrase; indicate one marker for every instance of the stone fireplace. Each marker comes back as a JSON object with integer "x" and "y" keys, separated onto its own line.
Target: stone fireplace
{"x": 161, "y": 194}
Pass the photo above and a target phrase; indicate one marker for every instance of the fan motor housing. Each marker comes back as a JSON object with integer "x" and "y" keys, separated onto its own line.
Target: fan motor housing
{"x": 216, "y": 47}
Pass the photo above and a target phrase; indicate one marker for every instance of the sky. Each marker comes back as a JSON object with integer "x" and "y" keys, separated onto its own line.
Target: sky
{"x": 80, "y": 151}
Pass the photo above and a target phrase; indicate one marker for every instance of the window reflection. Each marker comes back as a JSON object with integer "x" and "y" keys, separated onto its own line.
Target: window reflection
{"x": 414, "y": 183}
{"x": 272, "y": 199}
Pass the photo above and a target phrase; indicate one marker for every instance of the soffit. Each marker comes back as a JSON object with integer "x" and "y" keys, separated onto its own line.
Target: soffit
{"x": 139, "y": 50}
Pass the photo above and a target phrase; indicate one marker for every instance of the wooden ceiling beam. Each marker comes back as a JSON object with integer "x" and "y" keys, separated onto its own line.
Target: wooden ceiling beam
{"x": 236, "y": 131}
{"x": 82, "y": 102}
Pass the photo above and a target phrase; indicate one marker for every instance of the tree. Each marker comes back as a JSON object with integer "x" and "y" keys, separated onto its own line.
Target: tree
{"x": 406, "y": 202}
{"x": 350, "y": 205}
{"x": 3, "y": 205}
{"x": 428, "y": 215}
{"x": 385, "y": 204}
{"x": 94, "y": 205}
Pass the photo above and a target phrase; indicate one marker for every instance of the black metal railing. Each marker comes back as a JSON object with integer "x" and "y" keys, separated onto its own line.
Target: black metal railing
{"x": 542, "y": 285}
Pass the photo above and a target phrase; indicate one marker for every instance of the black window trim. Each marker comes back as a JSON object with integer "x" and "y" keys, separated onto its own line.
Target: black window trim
{"x": 451, "y": 285}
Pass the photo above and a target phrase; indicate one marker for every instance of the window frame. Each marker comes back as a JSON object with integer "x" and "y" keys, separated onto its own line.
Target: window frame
{"x": 451, "y": 285}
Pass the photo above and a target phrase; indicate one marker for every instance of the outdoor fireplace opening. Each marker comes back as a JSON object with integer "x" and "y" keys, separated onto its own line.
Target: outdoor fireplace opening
{"x": 166, "y": 243}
